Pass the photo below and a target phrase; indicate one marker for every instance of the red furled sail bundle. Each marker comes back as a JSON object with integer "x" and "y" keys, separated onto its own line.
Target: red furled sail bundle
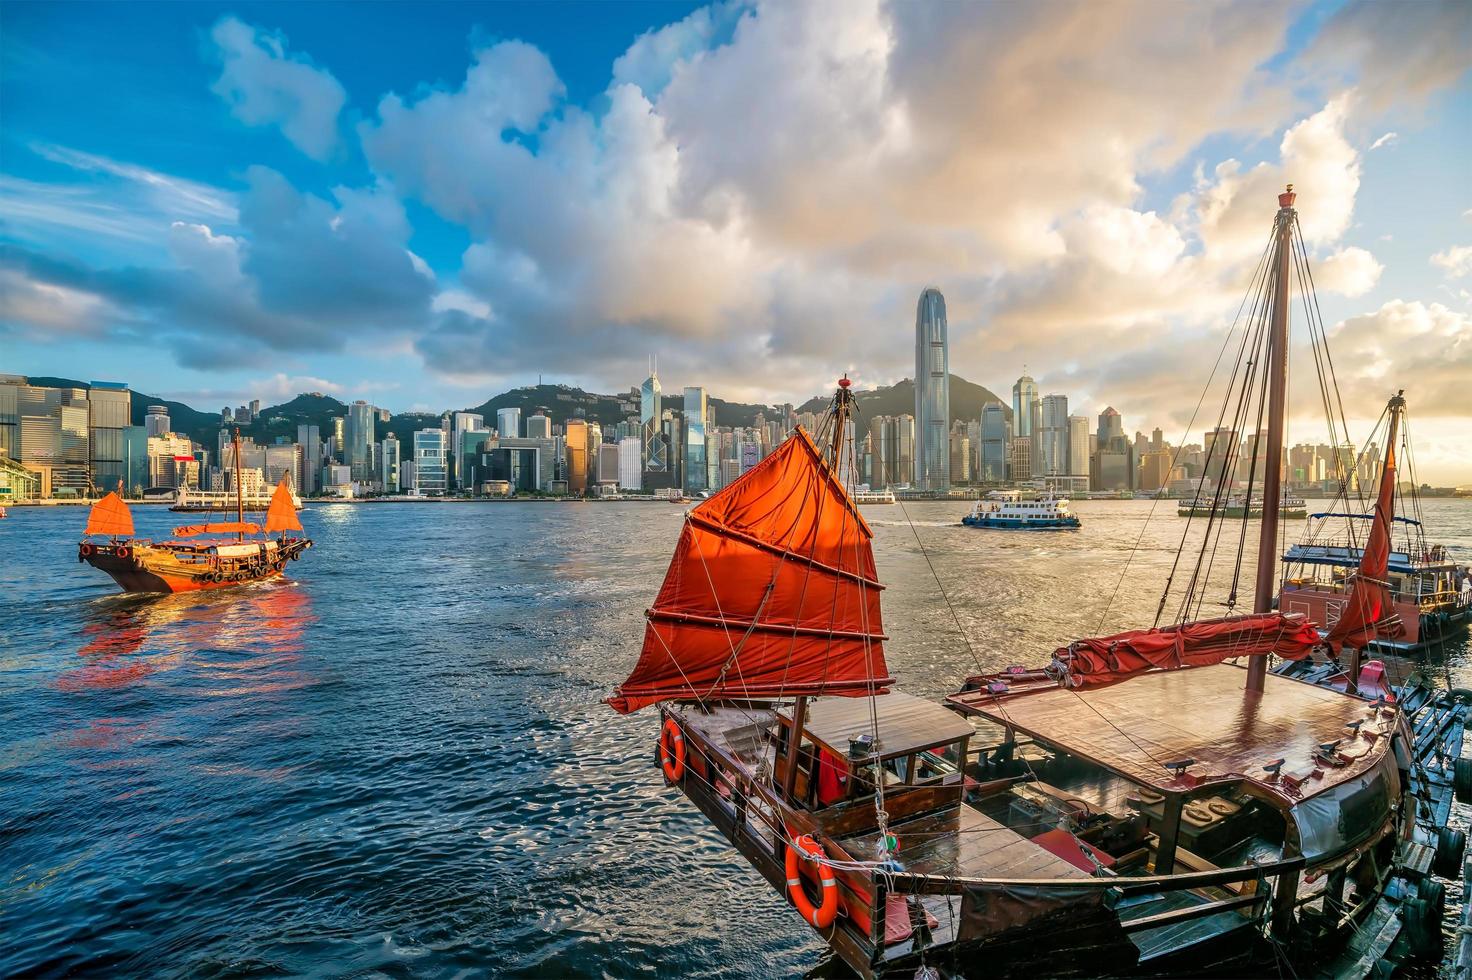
{"x": 1104, "y": 660}
{"x": 772, "y": 592}
{"x": 1369, "y": 600}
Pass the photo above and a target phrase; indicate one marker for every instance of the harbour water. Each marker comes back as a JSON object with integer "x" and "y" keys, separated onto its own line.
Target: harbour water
{"x": 397, "y": 760}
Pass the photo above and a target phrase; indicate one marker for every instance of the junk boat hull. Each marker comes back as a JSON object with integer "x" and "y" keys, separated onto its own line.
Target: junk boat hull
{"x": 140, "y": 567}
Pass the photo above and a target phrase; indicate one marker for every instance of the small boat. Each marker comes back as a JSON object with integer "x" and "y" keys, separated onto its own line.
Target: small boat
{"x": 1236, "y": 507}
{"x": 1155, "y": 802}
{"x": 1007, "y": 510}
{"x": 864, "y": 495}
{"x": 1429, "y": 596}
{"x": 198, "y": 556}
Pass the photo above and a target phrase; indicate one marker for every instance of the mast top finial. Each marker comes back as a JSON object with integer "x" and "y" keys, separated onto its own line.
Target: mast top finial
{"x": 1286, "y": 199}
{"x": 844, "y": 382}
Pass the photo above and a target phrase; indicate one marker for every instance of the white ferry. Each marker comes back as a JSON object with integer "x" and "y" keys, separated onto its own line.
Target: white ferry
{"x": 864, "y": 495}
{"x": 191, "y": 500}
{"x": 1006, "y": 509}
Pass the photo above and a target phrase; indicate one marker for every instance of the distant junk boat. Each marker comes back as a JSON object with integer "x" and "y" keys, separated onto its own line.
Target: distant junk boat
{"x": 242, "y": 552}
{"x": 1138, "y": 806}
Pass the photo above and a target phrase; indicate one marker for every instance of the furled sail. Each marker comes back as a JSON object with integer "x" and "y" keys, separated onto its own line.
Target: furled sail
{"x": 772, "y": 592}
{"x": 110, "y": 516}
{"x": 281, "y": 516}
{"x": 1361, "y": 620}
{"x": 1106, "y": 659}
{"x": 226, "y": 527}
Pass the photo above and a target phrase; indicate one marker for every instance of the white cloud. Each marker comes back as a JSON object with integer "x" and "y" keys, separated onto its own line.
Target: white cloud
{"x": 1350, "y": 272}
{"x": 267, "y": 86}
{"x": 1386, "y": 140}
{"x": 1455, "y": 261}
{"x": 1424, "y": 348}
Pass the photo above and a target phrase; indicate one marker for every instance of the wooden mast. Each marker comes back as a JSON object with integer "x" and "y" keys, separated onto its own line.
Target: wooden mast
{"x": 842, "y": 405}
{"x": 239, "y": 493}
{"x": 1357, "y": 654}
{"x": 1272, "y": 483}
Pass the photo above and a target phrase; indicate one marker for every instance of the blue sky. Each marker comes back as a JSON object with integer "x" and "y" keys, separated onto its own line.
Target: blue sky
{"x": 423, "y": 204}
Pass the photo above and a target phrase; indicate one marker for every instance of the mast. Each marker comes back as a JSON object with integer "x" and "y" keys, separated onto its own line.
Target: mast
{"x": 239, "y": 492}
{"x": 1363, "y": 606}
{"x": 1272, "y": 489}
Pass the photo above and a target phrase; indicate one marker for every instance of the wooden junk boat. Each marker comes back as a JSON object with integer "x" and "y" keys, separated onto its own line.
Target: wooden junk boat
{"x": 1138, "y": 806}
{"x": 1431, "y": 599}
{"x": 239, "y": 551}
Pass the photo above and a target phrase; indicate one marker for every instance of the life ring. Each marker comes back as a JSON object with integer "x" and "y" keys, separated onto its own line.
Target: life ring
{"x": 86, "y": 549}
{"x": 672, "y": 750}
{"x": 124, "y": 552}
{"x": 821, "y": 917}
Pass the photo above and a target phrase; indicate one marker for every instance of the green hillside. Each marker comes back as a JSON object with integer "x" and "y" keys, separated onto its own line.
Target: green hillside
{"x": 899, "y": 399}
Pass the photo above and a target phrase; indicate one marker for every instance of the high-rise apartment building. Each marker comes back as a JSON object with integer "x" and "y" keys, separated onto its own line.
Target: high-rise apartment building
{"x": 932, "y": 393}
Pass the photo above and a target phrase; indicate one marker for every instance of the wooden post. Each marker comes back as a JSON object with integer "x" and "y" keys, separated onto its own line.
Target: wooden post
{"x": 1356, "y": 656}
{"x": 1277, "y": 392}
{"x": 794, "y": 744}
{"x": 1170, "y": 832}
{"x": 1285, "y": 896}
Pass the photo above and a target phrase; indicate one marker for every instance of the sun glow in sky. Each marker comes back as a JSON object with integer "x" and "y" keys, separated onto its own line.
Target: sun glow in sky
{"x": 425, "y": 204}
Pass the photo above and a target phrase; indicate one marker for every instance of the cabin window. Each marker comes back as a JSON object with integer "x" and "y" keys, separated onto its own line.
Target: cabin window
{"x": 934, "y": 765}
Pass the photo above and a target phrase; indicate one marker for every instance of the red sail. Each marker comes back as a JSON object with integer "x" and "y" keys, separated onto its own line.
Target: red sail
{"x": 110, "y": 516}
{"x": 282, "y": 514}
{"x": 1104, "y": 660}
{"x": 772, "y": 592}
{"x": 1369, "y": 600}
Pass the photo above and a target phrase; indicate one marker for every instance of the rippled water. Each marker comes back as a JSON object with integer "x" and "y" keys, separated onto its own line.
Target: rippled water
{"x": 398, "y": 762}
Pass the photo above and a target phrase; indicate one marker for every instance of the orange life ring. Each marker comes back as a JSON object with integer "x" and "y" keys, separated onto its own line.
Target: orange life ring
{"x": 124, "y": 551}
{"x": 672, "y": 750}
{"x": 86, "y": 549}
{"x": 821, "y": 917}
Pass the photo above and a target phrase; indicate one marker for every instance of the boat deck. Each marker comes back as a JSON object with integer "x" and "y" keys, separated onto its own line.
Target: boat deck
{"x": 1135, "y": 727}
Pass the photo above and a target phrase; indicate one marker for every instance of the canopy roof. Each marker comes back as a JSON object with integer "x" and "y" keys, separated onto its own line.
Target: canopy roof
{"x": 110, "y": 516}
{"x": 906, "y": 723}
{"x": 772, "y": 592}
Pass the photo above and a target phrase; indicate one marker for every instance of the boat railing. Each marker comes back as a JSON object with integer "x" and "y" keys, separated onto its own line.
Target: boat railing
{"x": 1276, "y": 891}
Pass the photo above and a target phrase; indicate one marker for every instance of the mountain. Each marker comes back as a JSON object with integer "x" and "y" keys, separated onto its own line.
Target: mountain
{"x": 899, "y": 399}
{"x": 561, "y": 402}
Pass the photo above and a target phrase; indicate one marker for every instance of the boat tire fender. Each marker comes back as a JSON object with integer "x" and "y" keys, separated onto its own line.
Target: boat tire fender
{"x": 295, "y": 555}
{"x": 822, "y": 916}
{"x": 1422, "y": 919}
{"x": 1462, "y": 780}
{"x": 85, "y": 551}
{"x": 672, "y": 751}
{"x": 1451, "y": 844}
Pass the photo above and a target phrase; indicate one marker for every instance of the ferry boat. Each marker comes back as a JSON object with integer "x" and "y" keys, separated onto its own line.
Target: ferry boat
{"x": 863, "y": 495}
{"x": 1006, "y": 509}
{"x": 1430, "y": 595}
{"x": 195, "y": 501}
{"x": 1136, "y": 806}
{"x": 198, "y": 556}
{"x": 1236, "y": 506}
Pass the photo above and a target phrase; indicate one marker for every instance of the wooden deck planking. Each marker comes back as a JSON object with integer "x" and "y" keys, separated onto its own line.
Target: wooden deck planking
{"x": 963, "y": 842}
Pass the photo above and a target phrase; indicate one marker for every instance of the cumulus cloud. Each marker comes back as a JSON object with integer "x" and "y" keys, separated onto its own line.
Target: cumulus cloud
{"x": 1455, "y": 261}
{"x": 265, "y": 85}
{"x": 1425, "y": 348}
{"x": 1395, "y": 52}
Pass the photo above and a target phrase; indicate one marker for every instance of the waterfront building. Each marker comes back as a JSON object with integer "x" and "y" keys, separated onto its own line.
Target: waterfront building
{"x": 1025, "y": 406}
{"x": 538, "y": 426}
{"x": 110, "y": 413}
{"x": 358, "y": 435}
{"x": 1220, "y": 456}
{"x": 575, "y": 450}
{"x": 1115, "y": 471}
{"x": 651, "y": 425}
{"x": 171, "y": 462}
{"x": 1155, "y": 470}
{"x": 960, "y": 454}
{"x": 630, "y": 463}
{"x": 50, "y": 435}
{"x": 135, "y": 460}
{"x": 608, "y": 465}
{"x": 463, "y": 424}
{"x": 431, "y": 462}
{"x": 1019, "y": 457}
{"x": 697, "y": 408}
{"x": 310, "y": 439}
{"x": 1078, "y": 446}
{"x": 1111, "y": 426}
{"x": 389, "y": 464}
{"x": 156, "y": 421}
{"x": 1052, "y": 439}
{"x": 996, "y": 432}
{"x": 932, "y": 393}
{"x": 10, "y": 418}
{"x": 508, "y": 422}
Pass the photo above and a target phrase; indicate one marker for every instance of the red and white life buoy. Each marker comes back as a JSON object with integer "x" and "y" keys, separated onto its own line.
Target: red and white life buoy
{"x": 672, "y": 750}
{"x": 86, "y": 549}
{"x": 124, "y": 552}
{"x": 821, "y": 917}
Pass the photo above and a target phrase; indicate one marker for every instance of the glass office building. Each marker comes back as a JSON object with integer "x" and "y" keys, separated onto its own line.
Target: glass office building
{"x": 932, "y": 394}
{"x": 430, "y": 461}
{"x": 697, "y": 409}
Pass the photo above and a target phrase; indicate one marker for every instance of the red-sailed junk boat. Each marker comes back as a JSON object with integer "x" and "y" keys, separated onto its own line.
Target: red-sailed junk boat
{"x": 1138, "y": 806}
{"x": 240, "y": 552}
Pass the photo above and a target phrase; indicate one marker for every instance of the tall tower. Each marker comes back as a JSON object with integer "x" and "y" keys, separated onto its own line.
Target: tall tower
{"x": 655, "y": 452}
{"x": 932, "y": 394}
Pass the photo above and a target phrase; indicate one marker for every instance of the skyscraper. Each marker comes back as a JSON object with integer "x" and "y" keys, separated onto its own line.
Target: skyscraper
{"x": 1078, "y": 445}
{"x": 932, "y": 394}
{"x": 110, "y": 410}
{"x": 1027, "y": 419}
{"x": 311, "y": 476}
{"x": 1053, "y": 435}
{"x": 1111, "y": 426}
{"x": 157, "y": 421}
{"x": 508, "y": 422}
{"x": 697, "y": 409}
{"x": 358, "y": 436}
{"x": 576, "y": 447}
{"x": 651, "y": 433}
{"x": 996, "y": 432}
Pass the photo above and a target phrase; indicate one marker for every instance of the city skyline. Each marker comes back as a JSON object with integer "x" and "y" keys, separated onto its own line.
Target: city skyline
{"x": 248, "y": 211}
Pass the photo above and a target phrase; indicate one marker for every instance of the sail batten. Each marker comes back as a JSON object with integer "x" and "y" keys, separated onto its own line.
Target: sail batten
{"x": 110, "y": 516}
{"x": 281, "y": 516}
{"x": 772, "y": 591}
